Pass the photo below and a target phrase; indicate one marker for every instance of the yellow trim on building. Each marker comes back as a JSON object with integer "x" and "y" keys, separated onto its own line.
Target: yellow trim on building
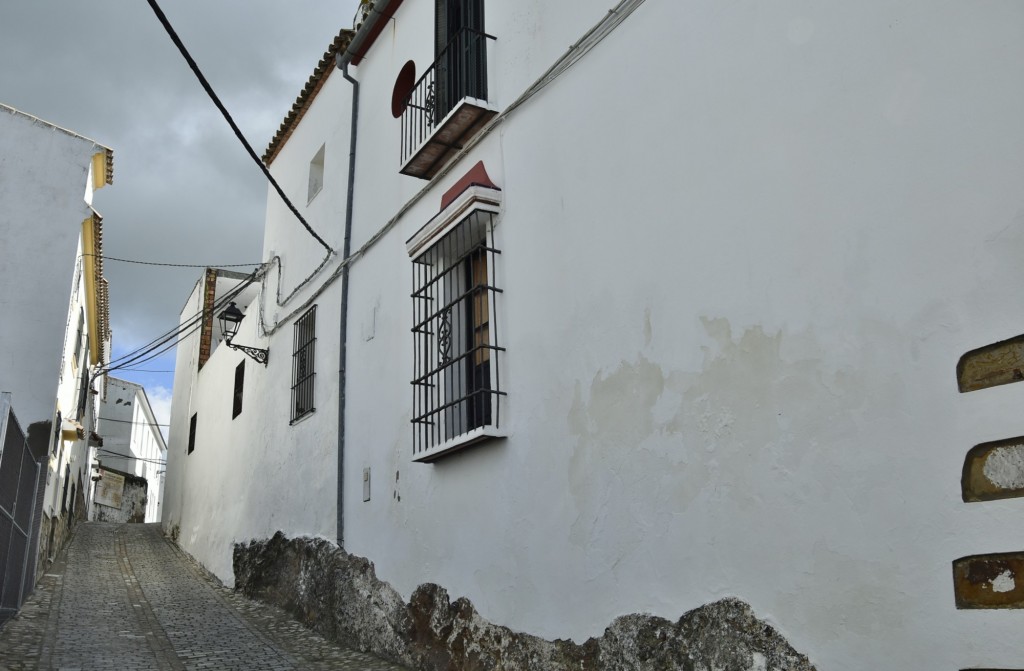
{"x": 99, "y": 169}
{"x": 89, "y": 261}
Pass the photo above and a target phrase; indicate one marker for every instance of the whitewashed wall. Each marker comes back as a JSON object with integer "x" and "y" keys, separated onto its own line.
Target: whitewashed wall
{"x": 255, "y": 474}
{"x": 132, "y": 442}
{"x": 46, "y": 191}
{"x": 744, "y": 246}
{"x": 76, "y": 453}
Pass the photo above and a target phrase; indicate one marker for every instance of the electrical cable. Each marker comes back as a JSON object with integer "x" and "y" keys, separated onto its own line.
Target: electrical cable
{"x": 231, "y": 122}
{"x": 145, "y": 353}
{"x": 129, "y": 456}
{"x": 612, "y": 19}
{"x": 128, "y": 421}
{"x": 175, "y": 265}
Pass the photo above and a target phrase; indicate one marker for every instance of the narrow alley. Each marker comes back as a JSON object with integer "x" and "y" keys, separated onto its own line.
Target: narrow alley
{"x": 125, "y": 597}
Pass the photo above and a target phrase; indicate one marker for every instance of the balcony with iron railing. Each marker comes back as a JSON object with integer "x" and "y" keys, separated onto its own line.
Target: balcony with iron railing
{"x": 447, "y": 105}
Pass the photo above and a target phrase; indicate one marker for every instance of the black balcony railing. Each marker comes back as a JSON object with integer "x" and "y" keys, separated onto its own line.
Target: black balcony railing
{"x": 459, "y": 72}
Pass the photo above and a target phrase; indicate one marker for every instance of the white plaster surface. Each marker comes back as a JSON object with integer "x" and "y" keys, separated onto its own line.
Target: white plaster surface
{"x": 45, "y": 193}
{"x": 1004, "y": 582}
{"x": 743, "y": 247}
{"x": 1004, "y": 467}
{"x": 132, "y": 442}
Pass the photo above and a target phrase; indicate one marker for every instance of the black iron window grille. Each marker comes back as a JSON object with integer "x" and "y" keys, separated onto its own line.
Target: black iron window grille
{"x": 456, "y": 380}
{"x": 459, "y": 72}
{"x": 303, "y": 372}
{"x": 236, "y": 404}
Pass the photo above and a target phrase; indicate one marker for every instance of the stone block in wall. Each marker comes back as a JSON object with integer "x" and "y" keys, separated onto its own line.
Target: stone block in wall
{"x": 989, "y": 581}
{"x": 991, "y": 365}
{"x": 994, "y": 471}
{"x": 340, "y": 596}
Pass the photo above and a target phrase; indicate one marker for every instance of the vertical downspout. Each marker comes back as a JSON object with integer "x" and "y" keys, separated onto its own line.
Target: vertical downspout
{"x": 347, "y": 249}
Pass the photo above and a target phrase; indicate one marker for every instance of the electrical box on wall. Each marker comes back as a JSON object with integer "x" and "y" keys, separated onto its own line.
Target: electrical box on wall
{"x": 366, "y": 484}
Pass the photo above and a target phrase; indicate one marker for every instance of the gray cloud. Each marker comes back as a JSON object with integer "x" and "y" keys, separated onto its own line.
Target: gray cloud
{"x": 184, "y": 190}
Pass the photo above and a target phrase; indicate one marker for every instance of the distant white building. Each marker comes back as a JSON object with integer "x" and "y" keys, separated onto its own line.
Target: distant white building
{"x": 670, "y": 315}
{"x": 54, "y": 312}
{"x": 132, "y": 440}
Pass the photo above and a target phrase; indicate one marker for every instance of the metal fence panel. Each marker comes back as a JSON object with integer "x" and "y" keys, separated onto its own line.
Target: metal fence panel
{"x": 20, "y": 477}
{"x": 10, "y": 463}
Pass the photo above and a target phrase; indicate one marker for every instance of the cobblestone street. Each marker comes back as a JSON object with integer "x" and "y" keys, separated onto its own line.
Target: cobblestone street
{"x": 127, "y": 598}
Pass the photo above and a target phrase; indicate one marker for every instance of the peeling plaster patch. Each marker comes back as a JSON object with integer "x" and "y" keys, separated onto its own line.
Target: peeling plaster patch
{"x": 607, "y": 469}
{"x": 994, "y": 470}
{"x": 1005, "y": 467}
{"x": 764, "y": 412}
{"x": 989, "y": 581}
{"x": 1004, "y": 582}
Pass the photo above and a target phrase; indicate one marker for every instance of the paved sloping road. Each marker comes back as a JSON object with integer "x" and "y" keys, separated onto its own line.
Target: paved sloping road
{"x": 126, "y": 598}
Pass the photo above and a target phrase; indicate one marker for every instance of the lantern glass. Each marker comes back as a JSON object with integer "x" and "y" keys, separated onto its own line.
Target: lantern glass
{"x": 229, "y": 320}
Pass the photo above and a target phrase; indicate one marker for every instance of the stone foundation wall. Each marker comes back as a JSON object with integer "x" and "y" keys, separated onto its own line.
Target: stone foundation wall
{"x": 61, "y": 527}
{"x": 340, "y": 596}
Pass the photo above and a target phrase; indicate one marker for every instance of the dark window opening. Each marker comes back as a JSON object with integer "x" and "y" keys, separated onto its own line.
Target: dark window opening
{"x": 77, "y": 353}
{"x": 478, "y": 368}
{"x": 460, "y": 53}
{"x": 303, "y": 369}
{"x": 57, "y": 431}
{"x": 83, "y": 385}
{"x": 236, "y": 406}
{"x": 192, "y": 433}
{"x": 64, "y": 495}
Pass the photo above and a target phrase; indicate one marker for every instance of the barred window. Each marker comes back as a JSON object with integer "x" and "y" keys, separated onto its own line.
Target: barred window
{"x": 303, "y": 372}
{"x": 456, "y": 381}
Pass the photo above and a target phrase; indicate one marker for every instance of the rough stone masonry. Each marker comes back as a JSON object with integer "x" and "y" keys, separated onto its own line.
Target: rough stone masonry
{"x": 340, "y": 596}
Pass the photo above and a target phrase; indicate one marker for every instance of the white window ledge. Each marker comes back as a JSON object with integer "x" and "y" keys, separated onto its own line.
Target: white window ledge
{"x": 459, "y": 442}
{"x": 473, "y": 198}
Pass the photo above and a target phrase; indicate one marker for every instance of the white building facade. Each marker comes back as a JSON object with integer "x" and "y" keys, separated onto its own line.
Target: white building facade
{"x": 132, "y": 441}
{"x": 55, "y": 327}
{"x": 672, "y": 315}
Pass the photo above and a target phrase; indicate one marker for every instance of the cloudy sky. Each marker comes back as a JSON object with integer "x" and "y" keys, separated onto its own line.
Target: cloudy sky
{"x": 184, "y": 189}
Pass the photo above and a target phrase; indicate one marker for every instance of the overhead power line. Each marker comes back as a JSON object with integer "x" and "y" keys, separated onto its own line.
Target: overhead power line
{"x": 128, "y": 421}
{"x": 169, "y": 339}
{"x": 175, "y": 265}
{"x": 109, "y": 453}
{"x": 231, "y": 122}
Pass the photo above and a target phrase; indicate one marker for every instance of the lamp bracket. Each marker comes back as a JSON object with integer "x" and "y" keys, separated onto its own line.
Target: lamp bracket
{"x": 260, "y": 355}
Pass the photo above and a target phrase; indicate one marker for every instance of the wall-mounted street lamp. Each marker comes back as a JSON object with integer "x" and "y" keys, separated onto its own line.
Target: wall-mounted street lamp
{"x": 230, "y": 318}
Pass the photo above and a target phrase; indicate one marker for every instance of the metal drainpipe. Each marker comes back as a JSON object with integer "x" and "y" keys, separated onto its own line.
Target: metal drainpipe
{"x": 343, "y": 336}
{"x": 341, "y": 61}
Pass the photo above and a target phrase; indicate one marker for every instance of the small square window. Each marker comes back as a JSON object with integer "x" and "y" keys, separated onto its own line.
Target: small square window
{"x": 456, "y": 388}
{"x": 316, "y": 174}
{"x": 303, "y": 369}
{"x": 192, "y": 433}
{"x": 236, "y": 406}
